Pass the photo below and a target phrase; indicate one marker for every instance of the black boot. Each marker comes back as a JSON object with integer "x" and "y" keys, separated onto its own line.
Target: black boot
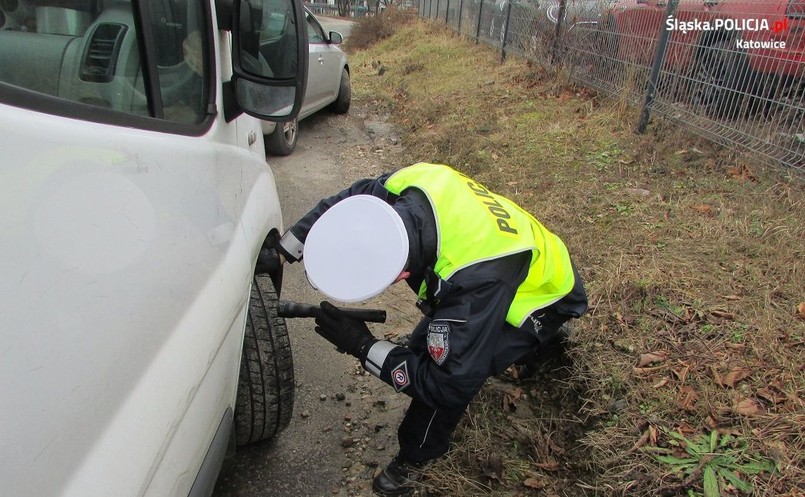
{"x": 398, "y": 478}
{"x": 549, "y": 356}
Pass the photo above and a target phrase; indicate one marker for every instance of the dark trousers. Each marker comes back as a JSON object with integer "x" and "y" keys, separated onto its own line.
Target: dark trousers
{"x": 425, "y": 433}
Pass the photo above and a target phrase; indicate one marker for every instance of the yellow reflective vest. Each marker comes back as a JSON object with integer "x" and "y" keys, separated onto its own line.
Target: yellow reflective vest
{"x": 475, "y": 225}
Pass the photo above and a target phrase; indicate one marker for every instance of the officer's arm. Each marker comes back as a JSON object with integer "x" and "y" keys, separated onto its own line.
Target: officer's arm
{"x": 293, "y": 241}
{"x": 450, "y": 356}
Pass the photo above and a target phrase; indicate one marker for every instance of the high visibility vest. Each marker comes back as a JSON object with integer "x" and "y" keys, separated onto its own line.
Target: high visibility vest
{"x": 475, "y": 225}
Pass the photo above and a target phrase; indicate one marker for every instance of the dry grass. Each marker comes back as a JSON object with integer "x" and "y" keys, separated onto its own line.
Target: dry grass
{"x": 693, "y": 261}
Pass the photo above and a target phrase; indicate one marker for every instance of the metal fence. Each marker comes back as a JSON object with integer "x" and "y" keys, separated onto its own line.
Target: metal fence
{"x": 326, "y": 9}
{"x": 732, "y": 71}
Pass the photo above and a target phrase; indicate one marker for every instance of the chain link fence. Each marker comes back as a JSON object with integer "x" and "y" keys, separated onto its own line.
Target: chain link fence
{"x": 732, "y": 71}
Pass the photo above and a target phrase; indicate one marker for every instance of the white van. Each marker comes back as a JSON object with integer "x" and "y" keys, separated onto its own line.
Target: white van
{"x": 136, "y": 344}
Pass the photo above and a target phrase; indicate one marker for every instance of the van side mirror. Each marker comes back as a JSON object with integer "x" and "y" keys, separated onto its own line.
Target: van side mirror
{"x": 336, "y": 38}
{"x": 269, "y": 59}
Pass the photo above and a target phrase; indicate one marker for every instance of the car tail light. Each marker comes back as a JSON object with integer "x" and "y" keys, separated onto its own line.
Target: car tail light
{"x": 796, "y": 8}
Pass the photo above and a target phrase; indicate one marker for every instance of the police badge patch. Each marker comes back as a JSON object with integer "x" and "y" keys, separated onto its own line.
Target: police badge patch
{"x": 399, "y": 376}
{"x": 439, "y": 341}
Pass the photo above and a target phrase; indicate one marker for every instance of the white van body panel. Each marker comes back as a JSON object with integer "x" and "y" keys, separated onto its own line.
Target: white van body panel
{"x": 125, "y": 270}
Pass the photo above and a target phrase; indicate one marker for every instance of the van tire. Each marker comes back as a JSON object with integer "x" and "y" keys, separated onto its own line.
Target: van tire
{"x": 265, "y": 395}
{"x": 282, "y": 141}
{"x": 341, "y": 104}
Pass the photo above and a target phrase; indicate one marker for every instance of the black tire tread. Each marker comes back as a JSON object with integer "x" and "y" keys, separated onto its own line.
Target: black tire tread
{"x": 344, "y": 99}
{"x": 266, "y": 383}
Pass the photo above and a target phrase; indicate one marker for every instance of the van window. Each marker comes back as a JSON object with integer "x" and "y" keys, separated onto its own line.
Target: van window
{"x": 92, "y": 52}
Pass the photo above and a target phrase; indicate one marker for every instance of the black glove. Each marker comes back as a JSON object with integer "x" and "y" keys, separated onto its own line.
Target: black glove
{"x": 348, "y": 334}
{"x": 268, "y": 261}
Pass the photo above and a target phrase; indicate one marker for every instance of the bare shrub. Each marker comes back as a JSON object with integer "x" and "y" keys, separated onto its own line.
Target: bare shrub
{"x": 374, "y": 28}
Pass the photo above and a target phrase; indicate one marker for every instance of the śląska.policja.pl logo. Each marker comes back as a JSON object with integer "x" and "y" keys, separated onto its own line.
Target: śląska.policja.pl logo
{"x": 752, "y": 25}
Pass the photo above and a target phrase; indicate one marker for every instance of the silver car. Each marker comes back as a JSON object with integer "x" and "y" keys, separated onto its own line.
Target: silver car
{"x": 327, "y": 86}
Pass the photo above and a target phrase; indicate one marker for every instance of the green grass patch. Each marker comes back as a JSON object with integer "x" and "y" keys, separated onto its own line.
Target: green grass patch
{"x": 692, "y": 257}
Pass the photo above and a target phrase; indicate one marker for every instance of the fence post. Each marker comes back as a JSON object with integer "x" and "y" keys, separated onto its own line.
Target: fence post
{"x": 460, "y": 8}
{"x": 506, "y": 32}
{"x": 659, "y": 57}
{"x": 478, "y": 30}
{"x": 557, "y": 35}
{"x": 447, "y": 14}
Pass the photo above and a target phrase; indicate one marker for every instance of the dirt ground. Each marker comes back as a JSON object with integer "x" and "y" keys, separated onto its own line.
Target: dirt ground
{"x": 344, "y": 423}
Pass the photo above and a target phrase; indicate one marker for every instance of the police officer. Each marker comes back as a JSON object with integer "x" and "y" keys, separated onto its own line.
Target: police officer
{"x": 493, "y": 283}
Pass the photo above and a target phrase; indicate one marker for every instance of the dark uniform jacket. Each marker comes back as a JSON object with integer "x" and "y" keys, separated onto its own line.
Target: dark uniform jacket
{"x": 478, "y": 342}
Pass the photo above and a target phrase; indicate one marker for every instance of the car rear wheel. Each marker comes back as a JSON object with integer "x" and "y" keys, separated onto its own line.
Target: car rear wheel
{"x": 283, "y": 140}
{"x": 266, "y": 382}
{"x": 341, "y": 104}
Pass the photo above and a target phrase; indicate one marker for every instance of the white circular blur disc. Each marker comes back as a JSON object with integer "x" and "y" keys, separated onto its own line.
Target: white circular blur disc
{"x": 356, "y": 249}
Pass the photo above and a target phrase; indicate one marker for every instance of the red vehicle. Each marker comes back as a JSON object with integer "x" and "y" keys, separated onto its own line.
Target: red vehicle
{"x": 736, "y": 47}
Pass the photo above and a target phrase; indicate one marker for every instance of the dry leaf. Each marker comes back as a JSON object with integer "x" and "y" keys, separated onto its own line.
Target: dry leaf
{"x": 704, "y": 209}
{"x": 642, "y": 371}
{"x": 687, "y": 397}
{"x": 682, "y": 373}
{"x": 550, "y": 464}
{"x": 801, "y": 310}
{"x": 511, "y": 399}
{"x": 772, "y": 396}
{"x": 555, "y": 449}
{"x": 734, "y": 376}
{"x": 722, "y": 314}
{"x": 509, "y": 404}
{"x": 640, "y": 442}
{"x": 747, "y": 407}
{"x": 716, "y": 375}
{"x": 652, "y": 430}
{"x": 650, "y": 435}
{"x": 534, "y": 483}
{"x": 651, "y": 358}
{"x": 742, "y": 173}
{"x": 660, "y": 383}
{"x": 684, "y": 428}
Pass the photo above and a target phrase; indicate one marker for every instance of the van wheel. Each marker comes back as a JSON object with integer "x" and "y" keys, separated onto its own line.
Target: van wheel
{"x": 283, "y": 140}
{"x": 341, "y": 104}
{"x": 721, "y": 76}
{"x": 266, "y": 382}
